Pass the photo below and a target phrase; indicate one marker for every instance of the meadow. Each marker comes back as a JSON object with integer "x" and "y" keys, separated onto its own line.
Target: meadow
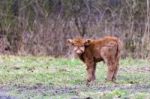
{"x": 30, "y": 77}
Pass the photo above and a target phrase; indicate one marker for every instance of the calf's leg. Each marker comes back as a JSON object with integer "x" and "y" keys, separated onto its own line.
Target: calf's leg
{"x": 111, "y": 68}
{"x": 110, "y": 73}
{"x": 116, "y": 70}
{"x": 91, "y": 67}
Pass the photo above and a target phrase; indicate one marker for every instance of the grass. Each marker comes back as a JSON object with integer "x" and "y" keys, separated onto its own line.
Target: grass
{"x": 62, "y": 78}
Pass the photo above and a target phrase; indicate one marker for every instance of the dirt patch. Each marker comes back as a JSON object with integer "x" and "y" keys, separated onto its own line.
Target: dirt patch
{"x": 58, "y": 90}
{"x": 144, "y": 69}
{"x": 4, "y": 94}
{"x": 43, "y": 90}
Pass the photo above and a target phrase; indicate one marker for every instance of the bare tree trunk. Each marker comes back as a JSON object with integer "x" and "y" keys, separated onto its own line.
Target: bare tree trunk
{"x": 148, "y": 28}
{"x": 148, "y": 18}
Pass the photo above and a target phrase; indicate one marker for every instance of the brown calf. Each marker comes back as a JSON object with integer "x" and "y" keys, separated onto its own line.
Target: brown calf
{"x": 106, "y": 49}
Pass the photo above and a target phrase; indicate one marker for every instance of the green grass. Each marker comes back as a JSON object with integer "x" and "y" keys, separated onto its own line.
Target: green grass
{"x": 62, "y": 78}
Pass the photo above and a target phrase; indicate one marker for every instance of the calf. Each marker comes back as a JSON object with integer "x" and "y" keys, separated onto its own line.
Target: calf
{"x": 106, "y": 49}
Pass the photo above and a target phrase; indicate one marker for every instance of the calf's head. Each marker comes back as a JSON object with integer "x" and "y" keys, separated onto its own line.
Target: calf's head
{"x": 79, "y": 44}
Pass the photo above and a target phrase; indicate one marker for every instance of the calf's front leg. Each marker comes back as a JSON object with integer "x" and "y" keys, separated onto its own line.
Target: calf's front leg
{"x": 91, "y": 67}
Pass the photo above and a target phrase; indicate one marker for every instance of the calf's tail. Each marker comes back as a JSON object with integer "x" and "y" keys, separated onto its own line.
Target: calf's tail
{"x": 119, "y": 48}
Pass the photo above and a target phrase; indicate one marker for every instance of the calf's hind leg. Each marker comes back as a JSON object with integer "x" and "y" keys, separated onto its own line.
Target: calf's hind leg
{"x": 116, "y": 70}
{"x": 111, "y": 71}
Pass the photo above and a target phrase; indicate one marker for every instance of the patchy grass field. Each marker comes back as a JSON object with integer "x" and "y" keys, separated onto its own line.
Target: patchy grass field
{"x": 60, "y": 78}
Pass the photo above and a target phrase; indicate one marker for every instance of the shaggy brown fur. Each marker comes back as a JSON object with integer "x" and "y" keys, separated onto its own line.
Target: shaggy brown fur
{"x": 106, "y": 49}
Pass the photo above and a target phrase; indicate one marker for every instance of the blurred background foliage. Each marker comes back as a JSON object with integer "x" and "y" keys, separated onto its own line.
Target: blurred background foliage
{"x": 41, "y": 27}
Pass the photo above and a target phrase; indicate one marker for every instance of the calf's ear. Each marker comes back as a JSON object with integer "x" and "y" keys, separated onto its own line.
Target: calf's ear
{"x": 70, "y": 41}
{"x": 87, "y": 42}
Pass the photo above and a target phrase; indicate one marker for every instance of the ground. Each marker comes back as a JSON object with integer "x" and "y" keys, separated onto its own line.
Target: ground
{"x": 28, "y": 77}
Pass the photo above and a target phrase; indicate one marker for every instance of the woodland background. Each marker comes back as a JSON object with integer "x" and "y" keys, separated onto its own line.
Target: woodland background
{"x": 41, "y": 27}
